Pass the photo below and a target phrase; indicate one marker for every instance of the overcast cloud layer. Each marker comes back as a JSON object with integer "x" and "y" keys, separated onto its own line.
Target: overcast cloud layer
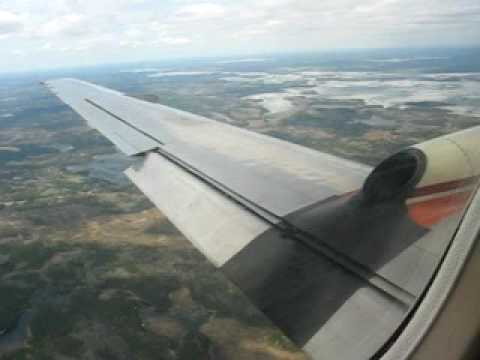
{"x": 38, "y": 34}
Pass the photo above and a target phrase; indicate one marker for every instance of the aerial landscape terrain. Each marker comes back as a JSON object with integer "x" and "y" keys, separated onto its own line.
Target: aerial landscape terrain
{"x": 90, "y": 269}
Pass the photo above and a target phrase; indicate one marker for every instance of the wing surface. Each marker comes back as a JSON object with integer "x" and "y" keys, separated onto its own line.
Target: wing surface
{"x": 276, "y": 175}
{"x": 282, "y": 221}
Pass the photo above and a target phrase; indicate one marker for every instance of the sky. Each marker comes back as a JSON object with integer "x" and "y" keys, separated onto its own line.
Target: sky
{"x": 61, "y": 33}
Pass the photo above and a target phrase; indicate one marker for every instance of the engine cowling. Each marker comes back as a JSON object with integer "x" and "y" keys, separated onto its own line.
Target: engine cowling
{"x": 443, "y": 164}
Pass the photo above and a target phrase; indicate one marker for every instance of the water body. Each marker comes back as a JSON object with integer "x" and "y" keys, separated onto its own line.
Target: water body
{"x": 273, "y": 102}
{"x": 458, "y": 93}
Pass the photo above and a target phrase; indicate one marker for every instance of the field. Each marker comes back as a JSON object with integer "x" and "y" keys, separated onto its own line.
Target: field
{"x": 90, "y": 269}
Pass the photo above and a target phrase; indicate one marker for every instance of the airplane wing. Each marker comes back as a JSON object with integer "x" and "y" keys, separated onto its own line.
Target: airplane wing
{"x": 330, "y": 253}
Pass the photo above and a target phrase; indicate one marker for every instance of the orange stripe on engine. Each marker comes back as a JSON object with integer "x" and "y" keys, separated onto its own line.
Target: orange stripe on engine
{"x": 430, "y": 212}
{"x": 446, "y": 186}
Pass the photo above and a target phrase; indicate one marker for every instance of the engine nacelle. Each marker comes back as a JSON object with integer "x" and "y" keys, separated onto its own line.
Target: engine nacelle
{"x": 442, "y": 164}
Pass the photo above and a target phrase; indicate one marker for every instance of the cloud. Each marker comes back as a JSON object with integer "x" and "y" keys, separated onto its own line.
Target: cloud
{"x": 109, "y": 29}
{"x": 201, "y": 11}
{"x": 71, "y": 25}
{"x": 19, "y": 52}
{"x": 10, "y": 23}
{"x": 259, "y": 29}
{"x": 158, "y": 42}
{"x": 175, "y": 40}
{"x": 47, "y": 46}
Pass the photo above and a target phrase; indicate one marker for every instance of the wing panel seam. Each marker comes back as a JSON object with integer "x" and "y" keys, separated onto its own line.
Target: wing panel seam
{"x": 101, "y": 108}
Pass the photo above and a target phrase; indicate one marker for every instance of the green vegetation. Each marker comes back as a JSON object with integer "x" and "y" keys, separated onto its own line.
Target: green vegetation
{"x": 103, "y": 275}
